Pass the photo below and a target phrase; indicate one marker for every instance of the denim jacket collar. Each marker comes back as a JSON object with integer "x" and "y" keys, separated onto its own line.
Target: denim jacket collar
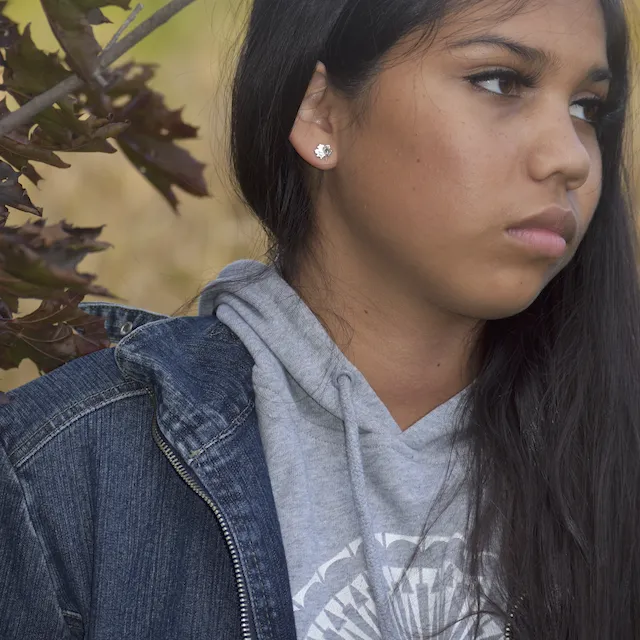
{"x": 200, "y": 376}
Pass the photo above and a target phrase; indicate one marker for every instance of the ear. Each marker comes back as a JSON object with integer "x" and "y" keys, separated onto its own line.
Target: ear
{"x": 314, "y": 123}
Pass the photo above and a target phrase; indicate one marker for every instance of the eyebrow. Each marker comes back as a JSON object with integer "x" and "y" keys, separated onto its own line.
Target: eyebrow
{"x": 532, "y": 55}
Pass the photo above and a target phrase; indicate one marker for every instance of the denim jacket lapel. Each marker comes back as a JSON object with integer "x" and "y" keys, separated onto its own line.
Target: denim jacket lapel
{"x": 200, "y": 375}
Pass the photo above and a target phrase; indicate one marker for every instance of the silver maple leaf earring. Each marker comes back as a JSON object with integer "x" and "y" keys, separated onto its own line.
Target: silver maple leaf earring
{"x": 323, "y": 151}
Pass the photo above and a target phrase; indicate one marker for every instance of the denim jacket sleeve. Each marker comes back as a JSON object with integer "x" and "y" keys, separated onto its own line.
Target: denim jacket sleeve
{"x": 30, "y": 607}
{"x": 47, "y": 433}
{"x": 49, "y": 449}
{"x": 109, "y": 526}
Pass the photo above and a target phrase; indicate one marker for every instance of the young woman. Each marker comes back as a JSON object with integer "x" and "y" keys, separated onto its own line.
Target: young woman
{"x": 422, "y": 417}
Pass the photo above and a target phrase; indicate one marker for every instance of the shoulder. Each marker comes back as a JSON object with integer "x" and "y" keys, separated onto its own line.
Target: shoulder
{"x": 153, "y": 355}
{"x": 149, "y": 351}
{"x": 38, "y": 411}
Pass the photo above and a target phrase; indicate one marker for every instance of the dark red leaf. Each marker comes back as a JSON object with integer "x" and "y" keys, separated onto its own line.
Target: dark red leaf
{"x": 58, "y": 331}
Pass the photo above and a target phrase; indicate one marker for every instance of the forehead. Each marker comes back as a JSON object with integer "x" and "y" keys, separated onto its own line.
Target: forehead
{"x": 552, "y": 24}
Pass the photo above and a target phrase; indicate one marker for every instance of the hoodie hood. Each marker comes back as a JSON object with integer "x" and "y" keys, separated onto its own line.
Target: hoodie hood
{"x": 267, "y": 314}
{"x": 283, "y": 334}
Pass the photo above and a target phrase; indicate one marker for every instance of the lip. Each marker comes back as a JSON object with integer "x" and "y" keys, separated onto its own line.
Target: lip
{"x": 555, "y": 219}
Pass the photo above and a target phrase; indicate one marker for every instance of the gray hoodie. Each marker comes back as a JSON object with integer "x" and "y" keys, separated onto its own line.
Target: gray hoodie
{"x": 368, "y": 554}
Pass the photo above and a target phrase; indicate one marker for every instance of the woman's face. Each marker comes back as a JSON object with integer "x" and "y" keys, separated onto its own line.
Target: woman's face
{"x": 488, "y": 127}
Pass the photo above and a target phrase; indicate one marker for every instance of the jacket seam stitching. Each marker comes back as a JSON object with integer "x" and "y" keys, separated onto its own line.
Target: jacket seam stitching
{"x": 233, "y": 425}
{"x": 115, "y": 306}
{"x": 22, "y": 461}
{"x": 193, "y": 461}
{"x": 123, "y": 342}
{"x": 71, "y": 614}
{"x": 63, "y": 411}
{"x": 73, "y": 619}
{"x": 251, "y": 551}
{"x": 54, "y": 582}
{"x": 81, "y": 401}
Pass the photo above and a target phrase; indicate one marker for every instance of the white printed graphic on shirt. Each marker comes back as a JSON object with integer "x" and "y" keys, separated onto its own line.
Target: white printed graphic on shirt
{"x": 336, "y": 603}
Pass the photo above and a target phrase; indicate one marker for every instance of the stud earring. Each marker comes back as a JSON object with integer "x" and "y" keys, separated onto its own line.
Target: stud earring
{"x": 323, "y": 151}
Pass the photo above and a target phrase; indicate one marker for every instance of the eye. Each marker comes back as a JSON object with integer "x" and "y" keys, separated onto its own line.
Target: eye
{"x": 588, "y": 109}
{"x": 502, "y": 82}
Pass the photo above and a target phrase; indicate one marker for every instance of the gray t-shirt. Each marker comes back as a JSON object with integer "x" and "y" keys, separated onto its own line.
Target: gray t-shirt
{"x": 353, "y": 492}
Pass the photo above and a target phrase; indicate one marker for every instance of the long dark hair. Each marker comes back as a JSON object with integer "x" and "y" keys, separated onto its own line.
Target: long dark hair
{"x": 553, "y": 417}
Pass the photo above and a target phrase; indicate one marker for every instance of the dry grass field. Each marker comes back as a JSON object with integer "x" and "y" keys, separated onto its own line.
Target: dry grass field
{"x": 158, "y": 260}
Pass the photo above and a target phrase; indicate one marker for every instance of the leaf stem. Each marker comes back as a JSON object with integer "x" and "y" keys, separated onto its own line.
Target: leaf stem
{"x": 123, "y": 27}
{"x": 109, "y": 55}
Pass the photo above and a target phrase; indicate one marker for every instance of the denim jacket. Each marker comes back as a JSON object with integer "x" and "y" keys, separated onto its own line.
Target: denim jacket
{"x": 135, "y": 500}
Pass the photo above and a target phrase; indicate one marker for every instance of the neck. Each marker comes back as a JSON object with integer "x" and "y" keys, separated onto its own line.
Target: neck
{"x": 414, "y": 356}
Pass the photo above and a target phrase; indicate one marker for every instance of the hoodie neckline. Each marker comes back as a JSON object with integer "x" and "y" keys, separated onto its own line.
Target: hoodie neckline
{"x": 265, "y": 295}
{"x": 281, "y": 333}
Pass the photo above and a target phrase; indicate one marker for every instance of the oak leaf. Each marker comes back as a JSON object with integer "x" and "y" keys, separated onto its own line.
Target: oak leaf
{"x": 55, "y": 333}
{"x": 72, "y": 24}
{"x": 39, "y": 261}
{"x": 150, "y": 141}
{"x": 12, "y": 194}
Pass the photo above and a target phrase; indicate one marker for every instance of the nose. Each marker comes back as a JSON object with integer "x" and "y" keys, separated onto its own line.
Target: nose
{"x": 557, "y": 151}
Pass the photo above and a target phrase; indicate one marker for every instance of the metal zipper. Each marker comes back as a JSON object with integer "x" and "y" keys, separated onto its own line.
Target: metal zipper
{"x": 245, "y": 623}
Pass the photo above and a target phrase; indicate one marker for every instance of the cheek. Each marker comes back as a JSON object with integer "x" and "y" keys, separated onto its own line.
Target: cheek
{"x": 426, "y": 131}
{"x": 419, "y": 189}
{"x": 427, "y": 179}
{"x": 434, "y": 163}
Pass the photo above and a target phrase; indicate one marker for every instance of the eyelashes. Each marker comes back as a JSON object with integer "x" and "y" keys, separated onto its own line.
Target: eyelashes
{"x": 508, "y": 83}
{"x": 504, "y": 76}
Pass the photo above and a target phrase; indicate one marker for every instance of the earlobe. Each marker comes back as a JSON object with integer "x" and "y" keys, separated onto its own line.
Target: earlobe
{"x": 323, "y": 151}
{"x": 312, "y": 135}
{"x": 314, "y": 146}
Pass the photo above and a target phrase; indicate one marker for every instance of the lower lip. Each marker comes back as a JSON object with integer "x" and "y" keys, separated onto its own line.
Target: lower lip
{"x": 543, "y": 241}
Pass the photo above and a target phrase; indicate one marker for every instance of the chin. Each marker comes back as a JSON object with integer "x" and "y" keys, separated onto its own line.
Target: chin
{"x": 506, "y": 308}
{"x": 497, "y": 303}
{"x": 509, "y": 296}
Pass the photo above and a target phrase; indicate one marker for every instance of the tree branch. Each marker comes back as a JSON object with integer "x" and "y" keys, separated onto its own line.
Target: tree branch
{"x": 27, "y": 112}
{"x": 123, "y": 27}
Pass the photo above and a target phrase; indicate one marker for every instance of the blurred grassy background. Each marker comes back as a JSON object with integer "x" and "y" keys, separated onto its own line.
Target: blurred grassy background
{"x": 158, "y": 260}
